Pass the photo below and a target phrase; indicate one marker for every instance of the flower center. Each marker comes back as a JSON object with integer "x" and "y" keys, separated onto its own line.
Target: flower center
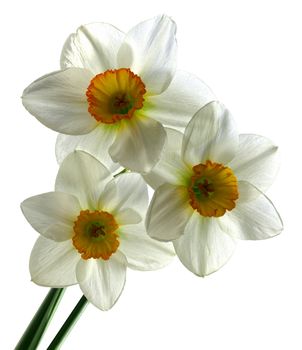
{"x": 115, "y": 95}
{"x": 213, "y": 189}
{"x": 94, "y": 234}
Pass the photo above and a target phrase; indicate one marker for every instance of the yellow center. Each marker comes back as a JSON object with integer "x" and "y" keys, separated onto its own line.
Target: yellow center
{"x": 95, "y": 234}
{"x": 213, "y": 189}
{"x": 115, "y": 95}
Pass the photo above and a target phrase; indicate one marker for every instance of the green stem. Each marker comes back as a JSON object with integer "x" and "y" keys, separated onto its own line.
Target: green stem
{"x": 125, "y": 170}
{"x": 35, "y": 330}
{"x": 68, "y": 324}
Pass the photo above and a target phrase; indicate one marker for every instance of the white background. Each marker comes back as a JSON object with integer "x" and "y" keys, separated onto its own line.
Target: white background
{"x": 249, "y": 53}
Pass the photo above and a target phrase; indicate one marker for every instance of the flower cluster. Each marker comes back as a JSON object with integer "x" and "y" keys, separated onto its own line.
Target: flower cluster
{"x": 126, "y": 118}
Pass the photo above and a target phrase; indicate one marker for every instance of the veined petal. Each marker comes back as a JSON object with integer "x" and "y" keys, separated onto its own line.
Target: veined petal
{"x": 83, "y": 176}
{"x": 168, "y": 213}
{"x": 180, "y": 101}
{"x": 171, "y": 168}
{"x": 52, "y": 214}
{"x": 256, "y": 161}
{"x": 150, "y": 50}
{"x": 204, "y": 248}
{"x": 53, "y": 264}
{"x": 139, "y": 143}
{"x": 108, "y": 197}
{"x": 254, "y": 217}
{"x": 127, "y": 216}
{"x": 210, "y": 135}
{"x": 96, "y": 143}
{"x": 102, "y": 281}
{"x": 94, "y": 46}
{"x": 58, "y": 100}
{"x": 126, "y": 190}
{"x": 143, "y": 252}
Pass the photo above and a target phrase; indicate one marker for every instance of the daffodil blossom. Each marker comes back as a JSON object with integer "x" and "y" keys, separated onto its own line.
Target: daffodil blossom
{"x": 116, "y": 91}
{"x": 91, "y": 229}
{"x": 209, "y": 190}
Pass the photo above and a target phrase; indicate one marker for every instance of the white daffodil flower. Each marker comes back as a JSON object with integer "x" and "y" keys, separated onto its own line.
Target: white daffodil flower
{"x": 115, "y": 91}
{"x": 91, "y": 229}
{"x": 209, "y": 190}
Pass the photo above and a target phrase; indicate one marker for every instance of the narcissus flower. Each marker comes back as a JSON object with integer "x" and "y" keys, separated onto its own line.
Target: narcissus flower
{"x": 209, "y": 190}
{"x": 115, "y": 91}
{"x": 91, "y": 229}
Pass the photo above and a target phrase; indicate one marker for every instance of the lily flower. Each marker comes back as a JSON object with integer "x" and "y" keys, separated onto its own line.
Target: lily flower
{"x": 91, "y": 230}
{"x": 115, "y": 91}
{"x": 209, "y": 189}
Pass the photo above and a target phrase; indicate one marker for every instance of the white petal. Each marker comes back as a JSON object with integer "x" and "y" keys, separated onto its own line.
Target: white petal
{"x": 102, "y": 281}
{"x": 83, "y": 176}
{"x": 58, "y": 100}
{"x": 254, "y": 216}
{"x": 53, "y": 264}
{"x": 150, "y": 50}
{"x": 168, "y": 212}
{"x": 204, "y": 248}
{"x": 143, "y": 252}
{"x": 247, "y": 192}
{"x": 132, "y": 192}
{"x": 127, "y": 190}
{"x": 139, "y": 143}
{"x": 108, "y": 198}
{"x": 52, "y": 214}
{"x": 127, "y": 217}
{"x": 96, "y": 143}
{"x": 94, "y": 46}
{"x": 257, "y": 161}
{"x": 171, "y": 168}
{"x": 210, "y": 135}
{"x": 180, "y": 101}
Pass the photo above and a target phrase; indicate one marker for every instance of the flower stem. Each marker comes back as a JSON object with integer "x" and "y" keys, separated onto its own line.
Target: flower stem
{"x": 68, "y": 324}
{"x": 125, "y": 170}
{"x": 35, "y": 330}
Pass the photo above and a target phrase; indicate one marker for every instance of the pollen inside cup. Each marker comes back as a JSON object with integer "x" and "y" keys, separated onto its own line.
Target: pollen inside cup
{"x": 95, "y": 234}
{"x": 213, "y": 189}
{"x": 115, "y": 95}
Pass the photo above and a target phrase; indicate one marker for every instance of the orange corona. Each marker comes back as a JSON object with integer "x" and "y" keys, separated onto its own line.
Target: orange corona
{"x": 115, "y": 95}
{"x": 213, "y": 189}
{"x": 95, "y": 234}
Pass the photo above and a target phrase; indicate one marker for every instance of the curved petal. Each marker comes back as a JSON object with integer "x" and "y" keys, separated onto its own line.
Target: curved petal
{"x": 139, "y": 143}
{"x": 96, "y": 143}
{"x": 254, "y": 217}
{"x": 176, "y": 106}
{"x": 168, "y": 212}
{"x": 108, "y": 198}
{"x": 204, "y": 248}
{"x": 53, "y": 264}
{"x": 150, "y": 50}
{"x": 257, "y": 161}
{"x": 94, "y": 46}
{"x": 83, "y": 176}
{"x": 171, "y": 168}
{"x": 52, "y": 214}
{"x": 127, "y": 217}
{"x": 126, "y": 190}
{"x": 210, "y": 135}
{"x": 58, "y": 100}
{"x": 143, "y": 252}
{"x": 102, "y": 281}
